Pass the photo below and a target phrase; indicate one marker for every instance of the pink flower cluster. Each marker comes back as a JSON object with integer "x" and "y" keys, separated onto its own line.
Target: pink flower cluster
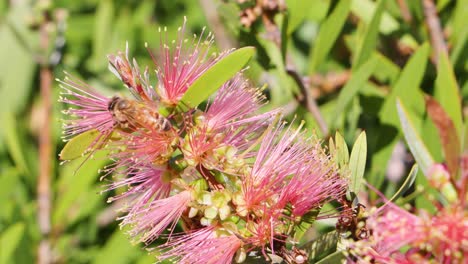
{"x": 401, "y": 237}
{"x": 234, "y": 179}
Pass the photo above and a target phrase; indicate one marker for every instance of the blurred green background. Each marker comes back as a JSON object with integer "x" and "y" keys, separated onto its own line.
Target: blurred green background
{"x": 354, "y": 57}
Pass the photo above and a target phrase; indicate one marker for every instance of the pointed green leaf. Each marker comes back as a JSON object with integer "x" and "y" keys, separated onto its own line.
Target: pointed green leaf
{"x": 78, "y": 145}
{"x": 447, "y": 92}
{"x": 414, "y": 141}
{"x": 459, "y": 46}
{"x": 298, "y": 10}
{"x": 357, "y": 163}
{"x": 329, "y": 32}
{"x": 14, "y": 142}
{"x": 364, "y": 9}
{"x": 341, "y": 150}
{"x": 406, "y": 88}
{"x": 369, "y": 41}
{"x": 406, "y": 184}
{"x": 357, "y": 81}
{"x": 215, "y": 77}
{"x": 9, "y": 240}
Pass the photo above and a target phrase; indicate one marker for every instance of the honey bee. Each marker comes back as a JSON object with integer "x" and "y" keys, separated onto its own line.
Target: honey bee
{"x": 133, "y": 114}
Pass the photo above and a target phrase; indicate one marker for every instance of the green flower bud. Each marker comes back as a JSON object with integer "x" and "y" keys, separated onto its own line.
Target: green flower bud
{"x": 211, "y": 212}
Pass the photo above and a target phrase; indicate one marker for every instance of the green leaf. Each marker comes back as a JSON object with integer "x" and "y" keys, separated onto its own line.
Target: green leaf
{"x": 14, "y": 143}
{"x": 407, "y": 89}
{"x": 79, "y": 145}
{"x": 357, "y": 163}
{"x": 459, "y": 46}
{"x": 334, "y": 258}
{"x": 329, "y": 32}
{"x": 325, "y": 244}
{"x": 17, "y": 75}
{"x": 369, "y": 42}
{"x": 407, "y": 86}
{"x": 76, "y": 182}
{"x": 459, "y": 18}
{"x": 385, "y": 70}
{"x": 9, "y": 240}
{"x": 117, "y": 250}
{"x": 297, "y": 12}
{"x": 341, "y": 150}
{"x": 415, "y": 143}
{"x": 215, "y": 77}
{"x": 447, "y": 92}
{"x": 406, "y": 184}
{"x": 349, "y": 91}
{"x": 103, "y": 26}
{"x": 364, "y": 9}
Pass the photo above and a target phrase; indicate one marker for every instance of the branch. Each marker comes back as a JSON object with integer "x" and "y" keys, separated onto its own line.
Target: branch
{"x": 405, "y": 12}
{"x": 45, "y": 149}
{"x": 308, "y": 100}
{"x": 435, "y": 30}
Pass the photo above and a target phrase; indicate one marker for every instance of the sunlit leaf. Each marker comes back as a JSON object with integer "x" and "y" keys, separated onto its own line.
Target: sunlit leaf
{"x": 364, "y": 9}
{"x": 9, "y": 240}
{"x": 103, "y": 26}
{"x": 215, "y": 77}
{"x": 297, "y": 12}
{"x": 385, "y": 69}
{"x": 447, "y": 92}
{"x": 117, "y": 250}
{"x": 369, "y": 42}
{"x": 414, "y": 141}
{"x": 78, "y": 145}
{"x": 14, "y": 143}
{"x": 448, "y": 134}
{"x": 329, "y": 32}
{"x": 349, "y": 91}
{"x": 76, "y": 182}
{"x": 341, "y": 150}
{"x": 357, "y": 163}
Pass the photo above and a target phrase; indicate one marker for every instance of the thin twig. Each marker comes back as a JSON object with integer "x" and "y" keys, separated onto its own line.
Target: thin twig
{"x": 435, "y": 30}
{"x": 308, "y": 101}
{"x": 45, "y": 151}
{"x": 223, "y": 40}
{"x": 405, "y": 12}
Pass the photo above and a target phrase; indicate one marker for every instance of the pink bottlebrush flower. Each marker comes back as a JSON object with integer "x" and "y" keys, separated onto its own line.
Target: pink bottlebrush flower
{"x": 441, "y": 238}
{"x": 280, "y": 156}
{"x": 394, "y": 229}
{"x": 201, "y": 246}
{"x": 145, "y": 181}
{"x": 182, "y": 64}
{"x": 318, "y": 182}
{"x": 130, "y": 75}
{"x": 92, "y": 109}
{"x": 228, "y": 122}
{"x": 234, "y": 103}
{"x": 266, "y": 230}
{"x": 233, "y": 112}
{"x": 145, "y": 146}
{"x": 150, "y": 221}
{"x": 448, "y": 235}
